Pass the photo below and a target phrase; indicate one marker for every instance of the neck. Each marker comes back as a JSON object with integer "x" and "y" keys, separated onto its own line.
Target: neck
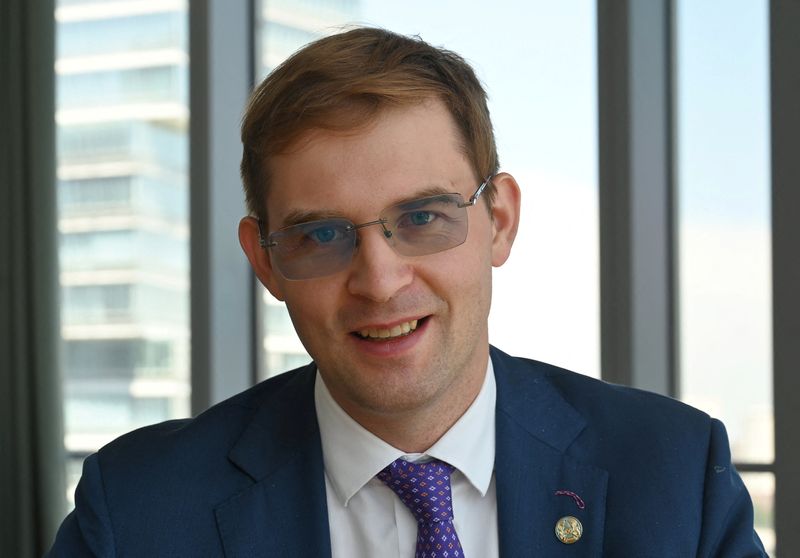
{"x": 410, "y": 430}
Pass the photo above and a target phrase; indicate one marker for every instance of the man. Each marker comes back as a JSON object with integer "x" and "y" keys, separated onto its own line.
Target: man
{"x": 377, "y": 212}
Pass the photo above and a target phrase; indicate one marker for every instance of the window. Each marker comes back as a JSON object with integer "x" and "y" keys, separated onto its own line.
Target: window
{"x": 122, "y": 114}
{"x": 723, "y": 176}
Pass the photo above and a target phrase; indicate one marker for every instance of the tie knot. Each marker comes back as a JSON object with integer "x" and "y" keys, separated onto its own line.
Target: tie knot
{"x": 423, "y": 487}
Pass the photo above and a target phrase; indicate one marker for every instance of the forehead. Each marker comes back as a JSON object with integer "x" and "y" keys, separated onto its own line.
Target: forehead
{"x": 405, "y": 151}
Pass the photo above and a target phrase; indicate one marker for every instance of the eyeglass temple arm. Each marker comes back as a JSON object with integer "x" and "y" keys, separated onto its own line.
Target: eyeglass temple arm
{"x": 262, "y": 239}
{"x": 474, "y": 198}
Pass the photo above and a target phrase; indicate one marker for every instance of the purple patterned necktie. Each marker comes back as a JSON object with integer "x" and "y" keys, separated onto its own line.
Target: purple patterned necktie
{"x": 425, "y": 490}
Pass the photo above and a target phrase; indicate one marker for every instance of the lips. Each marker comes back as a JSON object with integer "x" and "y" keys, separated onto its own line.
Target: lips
{"x": 399, "y": 330}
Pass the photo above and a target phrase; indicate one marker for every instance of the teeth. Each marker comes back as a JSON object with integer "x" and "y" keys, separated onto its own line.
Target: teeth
{"x": 396, "y": 331}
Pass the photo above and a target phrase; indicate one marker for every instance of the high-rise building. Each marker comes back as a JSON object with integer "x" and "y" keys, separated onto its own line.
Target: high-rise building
{"x": 122, "y": 115}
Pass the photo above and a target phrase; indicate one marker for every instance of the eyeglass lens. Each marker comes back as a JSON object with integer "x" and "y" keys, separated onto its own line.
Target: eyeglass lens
{"x": 415, "y": 228}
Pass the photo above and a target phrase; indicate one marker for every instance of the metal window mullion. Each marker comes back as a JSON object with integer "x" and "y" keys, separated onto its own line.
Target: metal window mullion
{"x": 221, "y": 294}
{"x": 636, "y": 194}
{"x": 755, "y": 467}
{"x": 785, "y": 139}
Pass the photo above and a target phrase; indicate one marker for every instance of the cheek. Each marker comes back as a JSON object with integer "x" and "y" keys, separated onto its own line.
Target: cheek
{"x": 463, "y": 276}
{"x": 310, "y": 308}
{"x": 477, "y": 273}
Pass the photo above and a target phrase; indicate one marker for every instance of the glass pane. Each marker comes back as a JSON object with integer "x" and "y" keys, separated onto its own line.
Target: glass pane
{"x": 761, "y": 487}
{"x": 541, "y": 79}
{"x": 724, "y": 218}
{"x": 122, "y": 114}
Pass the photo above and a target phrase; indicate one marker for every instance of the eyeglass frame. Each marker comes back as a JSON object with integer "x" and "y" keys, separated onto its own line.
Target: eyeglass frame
{"x": 473, "y": 200}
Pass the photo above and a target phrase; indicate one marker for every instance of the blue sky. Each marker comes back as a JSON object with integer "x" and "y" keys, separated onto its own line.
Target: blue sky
{"x": 723, "y": 111}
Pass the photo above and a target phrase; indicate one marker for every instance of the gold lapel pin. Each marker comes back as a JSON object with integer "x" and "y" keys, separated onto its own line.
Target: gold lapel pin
{"x": 569, "y": 529}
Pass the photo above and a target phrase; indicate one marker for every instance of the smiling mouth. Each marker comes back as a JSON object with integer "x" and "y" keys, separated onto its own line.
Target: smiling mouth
{"x": 400, "y": 330}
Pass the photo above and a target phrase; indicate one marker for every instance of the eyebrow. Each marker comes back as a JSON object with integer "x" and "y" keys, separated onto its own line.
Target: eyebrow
{"x": 425, "y": 193}
{"x": 300, "y": 216}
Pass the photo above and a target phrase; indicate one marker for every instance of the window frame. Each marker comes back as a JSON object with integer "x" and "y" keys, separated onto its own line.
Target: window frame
{"x": 639, "y": 318}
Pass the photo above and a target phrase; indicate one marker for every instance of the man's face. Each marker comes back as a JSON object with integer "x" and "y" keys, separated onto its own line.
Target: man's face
{"x": 439, "y": 366}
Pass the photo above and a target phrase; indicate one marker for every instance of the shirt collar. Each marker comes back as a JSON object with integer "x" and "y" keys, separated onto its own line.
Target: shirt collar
{"x": 468, "y": 445}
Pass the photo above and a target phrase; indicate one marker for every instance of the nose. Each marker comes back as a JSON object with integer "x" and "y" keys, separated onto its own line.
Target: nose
{"x": 377, "y": 272}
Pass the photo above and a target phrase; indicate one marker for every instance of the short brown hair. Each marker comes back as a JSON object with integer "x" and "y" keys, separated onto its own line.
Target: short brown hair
{"x": 341, "y": 82}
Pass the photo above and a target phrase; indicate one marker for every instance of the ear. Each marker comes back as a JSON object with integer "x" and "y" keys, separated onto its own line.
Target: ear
{"x": 250, "y": 239}
{"x": 505, "y": 216}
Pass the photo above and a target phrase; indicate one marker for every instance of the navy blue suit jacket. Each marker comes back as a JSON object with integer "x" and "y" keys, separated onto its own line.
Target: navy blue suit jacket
{"x": 246, "y": 477}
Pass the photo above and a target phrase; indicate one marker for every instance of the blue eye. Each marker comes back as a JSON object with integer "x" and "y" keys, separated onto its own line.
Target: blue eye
{"x": 325, "y": 234}
{"x": 419, "y": 218}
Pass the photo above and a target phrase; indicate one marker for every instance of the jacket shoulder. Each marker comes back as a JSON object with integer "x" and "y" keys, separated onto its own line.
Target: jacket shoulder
{"x": 602, "y": 404}
{"x": 136, "y": 490}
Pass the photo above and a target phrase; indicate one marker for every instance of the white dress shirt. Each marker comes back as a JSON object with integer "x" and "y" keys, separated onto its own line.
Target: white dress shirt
{"x": 367, "y": 519}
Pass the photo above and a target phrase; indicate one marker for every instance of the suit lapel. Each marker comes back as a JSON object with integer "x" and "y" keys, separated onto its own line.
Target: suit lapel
{"x": 284, "y": 511}
{"x": 535, "y": 426}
